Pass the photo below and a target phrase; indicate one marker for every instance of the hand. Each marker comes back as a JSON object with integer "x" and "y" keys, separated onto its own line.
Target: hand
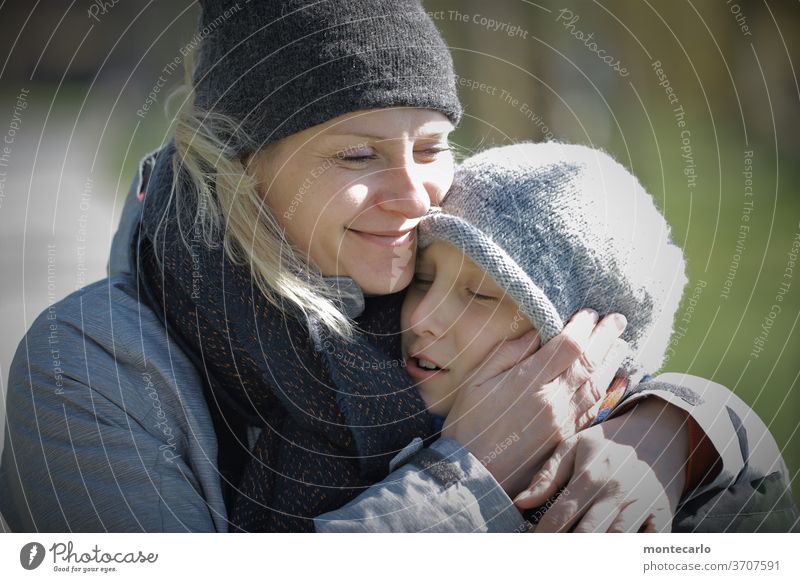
{"x": 626, "y": 474}
{"x": 524, "y": 401}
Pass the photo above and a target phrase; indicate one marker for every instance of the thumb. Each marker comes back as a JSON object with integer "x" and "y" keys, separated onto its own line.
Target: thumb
{"x": 505, "y": 356}
{"x": 555, "y": 473}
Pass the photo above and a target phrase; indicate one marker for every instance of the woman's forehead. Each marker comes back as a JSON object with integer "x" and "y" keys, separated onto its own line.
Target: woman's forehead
{"x": 389, "y": 123}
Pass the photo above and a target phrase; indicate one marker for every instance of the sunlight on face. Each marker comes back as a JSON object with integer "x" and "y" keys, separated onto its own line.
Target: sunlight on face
{"x": 350, "y": 192}
{"x": 453, "y": 316}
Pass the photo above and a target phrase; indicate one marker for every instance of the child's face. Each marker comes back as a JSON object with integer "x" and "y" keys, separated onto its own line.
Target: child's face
{"x": 454, "y": 314}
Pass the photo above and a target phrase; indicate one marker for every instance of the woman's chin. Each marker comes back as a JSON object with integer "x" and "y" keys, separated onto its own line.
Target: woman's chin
{"x": 382, "y": 281}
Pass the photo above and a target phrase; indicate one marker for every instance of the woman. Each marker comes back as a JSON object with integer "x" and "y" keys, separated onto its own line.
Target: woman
{"x": 239, "y": 369}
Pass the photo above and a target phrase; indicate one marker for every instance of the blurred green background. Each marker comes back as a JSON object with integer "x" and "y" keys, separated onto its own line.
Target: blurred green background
{"x": 528, "y": 71}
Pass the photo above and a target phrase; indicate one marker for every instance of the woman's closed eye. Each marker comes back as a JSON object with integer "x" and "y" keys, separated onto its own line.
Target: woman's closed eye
{"x": 357, "y": 155}
{"x": 431, "y": 153}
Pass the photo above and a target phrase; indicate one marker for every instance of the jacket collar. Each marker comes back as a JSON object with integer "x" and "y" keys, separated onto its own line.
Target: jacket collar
{"x": 122, "y": 258}
{"x": 349, "y": 294}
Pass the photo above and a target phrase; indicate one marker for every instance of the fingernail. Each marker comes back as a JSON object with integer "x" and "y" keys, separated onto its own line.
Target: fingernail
{"x": 620, "y": 321}
{"x": 522, "y": 496}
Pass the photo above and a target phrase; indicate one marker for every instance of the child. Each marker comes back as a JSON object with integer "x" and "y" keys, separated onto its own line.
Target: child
{"x": 528, "y": 235}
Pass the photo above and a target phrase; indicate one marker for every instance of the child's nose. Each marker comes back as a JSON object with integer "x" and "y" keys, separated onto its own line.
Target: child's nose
{"x": 428, "y": 317}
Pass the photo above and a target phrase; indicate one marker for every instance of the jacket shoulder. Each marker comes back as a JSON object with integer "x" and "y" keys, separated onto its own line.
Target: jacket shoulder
{"x": 107, "y": 425}
{"x": 104, "y": 338}
{"x": 744, "y": 442}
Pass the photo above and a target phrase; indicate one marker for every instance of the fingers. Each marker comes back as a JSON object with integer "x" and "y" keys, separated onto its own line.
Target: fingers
{"x": 555, "y": 473}
{"x": 603, "y": 338}
{"x": 587, "y": 399}
{"x": 609, "y": 366}
{"x": 600, "y": 516}
{"x": 586, "y": 406}
{"x": 505, "y": 356}
{"x": 580, "y": 349}
{"x": 641, "y": 517}
{"x": 557, "y": 355}
{"x": 562, "y": 515}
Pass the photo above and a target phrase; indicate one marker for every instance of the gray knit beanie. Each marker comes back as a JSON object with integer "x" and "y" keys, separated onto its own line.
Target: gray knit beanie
{"x": 281, "y": 66}
{"x": 562, "y": 227}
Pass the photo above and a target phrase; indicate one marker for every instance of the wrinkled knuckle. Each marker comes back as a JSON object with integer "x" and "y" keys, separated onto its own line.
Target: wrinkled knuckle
{"x": 614, "y": 488}
{"x": 571, "y": 346}
{"x": 585, "y": 419}
{"x": 546, "y": 473}
{"x": 586, "y": 362}
{"x": 592, "y": 485}
{"x": 592, "y": 479}
{"x": 562, "y": 433}
{"x": 593, "y": 389}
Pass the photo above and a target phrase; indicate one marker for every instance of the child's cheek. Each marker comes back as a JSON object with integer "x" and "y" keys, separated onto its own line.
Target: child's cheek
{"x": 438, "y": 399}
{"x": 518, "y": 325}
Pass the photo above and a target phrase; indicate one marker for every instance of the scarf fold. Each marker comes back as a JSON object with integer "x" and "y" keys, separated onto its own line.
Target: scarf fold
{"x": 333, "y": 413}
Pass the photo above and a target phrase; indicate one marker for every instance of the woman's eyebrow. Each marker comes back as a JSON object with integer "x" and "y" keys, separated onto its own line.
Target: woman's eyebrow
{"x": 426, "y": 133}
{"x": 355, "y": 134}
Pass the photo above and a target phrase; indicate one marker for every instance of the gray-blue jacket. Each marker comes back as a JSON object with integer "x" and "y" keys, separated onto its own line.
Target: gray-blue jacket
{"x": 95, "y": 443}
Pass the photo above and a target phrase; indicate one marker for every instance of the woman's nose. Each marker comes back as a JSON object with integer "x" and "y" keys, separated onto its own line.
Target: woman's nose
{"x": 404, "y": 191}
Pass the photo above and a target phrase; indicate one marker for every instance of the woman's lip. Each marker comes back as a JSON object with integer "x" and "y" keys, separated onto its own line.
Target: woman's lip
{"x": 418, "y": 373}
{"x": 386, "y": 239}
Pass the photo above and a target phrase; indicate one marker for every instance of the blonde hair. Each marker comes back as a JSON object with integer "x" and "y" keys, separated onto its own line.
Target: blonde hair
{"x": 229, "y": 203}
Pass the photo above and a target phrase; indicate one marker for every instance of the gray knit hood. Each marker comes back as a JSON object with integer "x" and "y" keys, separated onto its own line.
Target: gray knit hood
{"x": 562, "y": 227}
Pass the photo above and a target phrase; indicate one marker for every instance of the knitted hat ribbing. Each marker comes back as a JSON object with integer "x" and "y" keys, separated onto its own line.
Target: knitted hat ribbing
{"x": 562, "y": 227}
{"x": 281, "y": 66}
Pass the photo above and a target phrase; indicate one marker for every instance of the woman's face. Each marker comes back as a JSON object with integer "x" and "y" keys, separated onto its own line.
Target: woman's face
{"x": 350, "y": 192}
{"x": 453, "y": 316}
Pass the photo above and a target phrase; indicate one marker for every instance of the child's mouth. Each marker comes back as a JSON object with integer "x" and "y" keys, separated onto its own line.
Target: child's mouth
{"x": 427, "y": 364}
{"x": 423, "y": 369}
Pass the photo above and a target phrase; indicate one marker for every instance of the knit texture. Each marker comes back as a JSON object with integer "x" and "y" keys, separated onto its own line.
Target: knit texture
{"x": 281, "y": 66}
{"x": 562, "y": 227}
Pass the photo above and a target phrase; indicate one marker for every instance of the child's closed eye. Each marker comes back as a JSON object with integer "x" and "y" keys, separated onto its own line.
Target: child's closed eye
{"x": 421, "y": 281}
{"x": 482, "y": 296}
